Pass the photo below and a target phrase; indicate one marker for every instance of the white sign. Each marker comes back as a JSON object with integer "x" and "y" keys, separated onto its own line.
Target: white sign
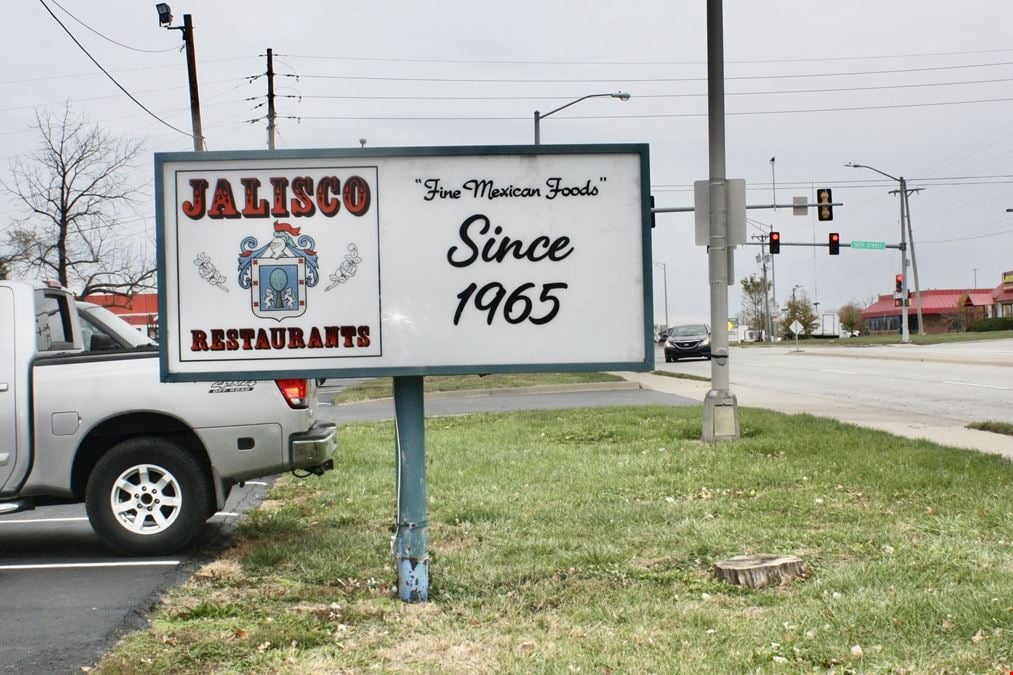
{"x": 320, "y": 263}
{"x": 796, "y": 327}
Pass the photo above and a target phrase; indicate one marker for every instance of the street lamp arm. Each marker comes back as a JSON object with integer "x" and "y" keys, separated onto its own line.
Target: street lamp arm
{"x": 871, "y": 168}
{"x": 622, "y": 95}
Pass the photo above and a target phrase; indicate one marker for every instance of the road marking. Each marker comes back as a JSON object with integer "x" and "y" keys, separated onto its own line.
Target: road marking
{"x": 124, "y": 563}
{"x": 41, "y": 520}
{"x": 838, "y": 372}
{"x": 227, "y": 514}
{"x": 975, "y": 384}
{"x": 255, "y": 482}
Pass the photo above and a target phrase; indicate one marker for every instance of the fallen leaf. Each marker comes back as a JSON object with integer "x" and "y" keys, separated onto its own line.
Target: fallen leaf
{"x": 977, "y": 637}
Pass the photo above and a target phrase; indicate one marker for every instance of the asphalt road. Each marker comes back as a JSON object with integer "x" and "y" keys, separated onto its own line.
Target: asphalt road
{"x": 65, "y": 598}
{"x": 969, "y": 382}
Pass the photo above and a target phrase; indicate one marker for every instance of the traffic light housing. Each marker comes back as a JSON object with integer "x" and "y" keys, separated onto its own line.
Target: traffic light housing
{"x": 775, "y": 243}
{"x": 898, "y": 283}
{"x": 824, "y": 201}
{"x": 834, "y": 240}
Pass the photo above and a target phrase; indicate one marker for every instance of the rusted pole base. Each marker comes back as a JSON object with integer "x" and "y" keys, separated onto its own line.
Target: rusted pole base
{"x": 413, "y": 580}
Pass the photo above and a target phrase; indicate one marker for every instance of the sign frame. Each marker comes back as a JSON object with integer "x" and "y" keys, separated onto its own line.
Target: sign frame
{"x": 296, "y": 368}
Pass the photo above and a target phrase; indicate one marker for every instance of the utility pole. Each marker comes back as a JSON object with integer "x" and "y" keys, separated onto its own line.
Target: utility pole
{"x": 914, "y": 261}
{"x": 768, "y": 321}
{"x": 720, "y": 411}
{"x": 191, "y": 67}
{"x": 270, "y": 99}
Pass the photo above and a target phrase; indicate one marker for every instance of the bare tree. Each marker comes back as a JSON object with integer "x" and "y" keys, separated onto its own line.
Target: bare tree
{"x": 754, "y": 299}
{"x": 75, "y": 190}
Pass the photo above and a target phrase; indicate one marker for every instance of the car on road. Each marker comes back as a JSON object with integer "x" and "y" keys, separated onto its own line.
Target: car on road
{"x": 689, "y": 340}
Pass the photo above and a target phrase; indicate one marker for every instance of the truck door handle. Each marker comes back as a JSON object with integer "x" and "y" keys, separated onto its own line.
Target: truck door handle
{"x": 3, "y": 386}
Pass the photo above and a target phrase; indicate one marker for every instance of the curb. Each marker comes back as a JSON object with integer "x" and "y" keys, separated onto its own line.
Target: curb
{"x": 619, "y": 385}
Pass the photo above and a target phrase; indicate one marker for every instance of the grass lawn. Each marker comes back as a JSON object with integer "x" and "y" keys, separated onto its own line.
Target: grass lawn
{"x": 583, "y": 541}
{"x": 383, "y": 387}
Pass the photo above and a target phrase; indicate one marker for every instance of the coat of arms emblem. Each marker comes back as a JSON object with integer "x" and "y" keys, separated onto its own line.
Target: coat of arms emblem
{"x": 278, "y": 273}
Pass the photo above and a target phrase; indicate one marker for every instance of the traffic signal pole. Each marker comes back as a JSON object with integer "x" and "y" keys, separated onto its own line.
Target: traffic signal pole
{"x": 721, "y": 411}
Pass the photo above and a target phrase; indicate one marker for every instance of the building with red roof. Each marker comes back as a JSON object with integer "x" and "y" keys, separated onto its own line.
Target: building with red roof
{"x": 943, "y": 310}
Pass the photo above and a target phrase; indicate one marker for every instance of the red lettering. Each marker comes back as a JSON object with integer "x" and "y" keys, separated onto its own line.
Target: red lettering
{"x": 331, "y": 341}
{"x": 223, "y": 204}
{"x": 280, "y": 190}
{"x": 278, "y": 338}
{"x": 328, "y": 206}
{"x": 302, "y": 199}
{"x": 356, "y": 196}
{"x": 363, "y": 340}
{"x": 200, "y": 341}
{"x": 254, "y": 207}
{"x": 247, "y": 335}
{"x": 295, "y": 339}
{"x": 232, "y": 339}
{"x": 217, "y": 340}
{"x": 315, "y": 341}
{"x": 262, "y": 341}
{"x": 194, "y": 209}
{"x": 348, "y": 332}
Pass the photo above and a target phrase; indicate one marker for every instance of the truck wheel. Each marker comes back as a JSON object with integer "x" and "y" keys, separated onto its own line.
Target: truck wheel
{"x": 148, "y": 496}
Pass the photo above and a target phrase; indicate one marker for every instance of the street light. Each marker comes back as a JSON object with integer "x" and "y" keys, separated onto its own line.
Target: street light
{"x": 904, "y": 216}
{"x": 164, "y": 19}
{"x": 621, "y": 95}
{"x": 664, "y": 276}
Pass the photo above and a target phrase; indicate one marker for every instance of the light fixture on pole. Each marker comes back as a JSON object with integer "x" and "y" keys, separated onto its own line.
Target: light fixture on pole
{"x": 664, "y": 277}
{"x": 164, "y": 19}
{"x": 621, "y": 95}
{"x": 905, "y": 219}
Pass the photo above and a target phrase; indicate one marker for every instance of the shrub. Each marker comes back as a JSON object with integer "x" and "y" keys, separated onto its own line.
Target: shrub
{"x": 983, "y": 325}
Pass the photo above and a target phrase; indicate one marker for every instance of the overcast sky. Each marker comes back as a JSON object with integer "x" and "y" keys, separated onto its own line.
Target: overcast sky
{"x": 920, "y": 89}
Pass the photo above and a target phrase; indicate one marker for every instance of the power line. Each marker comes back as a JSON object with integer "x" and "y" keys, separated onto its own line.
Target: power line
{"x": 596, "y": 64}
{"x": 893, "y": 71}
{"x": 111, "y": 78}
{"x": 109, "y": 39}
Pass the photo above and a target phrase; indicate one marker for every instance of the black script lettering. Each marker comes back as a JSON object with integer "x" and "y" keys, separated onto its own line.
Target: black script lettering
{"x": 558, "y": 190}
{"x": 497, "y": 250}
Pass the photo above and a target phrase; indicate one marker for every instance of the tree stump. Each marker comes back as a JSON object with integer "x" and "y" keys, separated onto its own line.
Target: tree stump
{"x": 759, "y": 571}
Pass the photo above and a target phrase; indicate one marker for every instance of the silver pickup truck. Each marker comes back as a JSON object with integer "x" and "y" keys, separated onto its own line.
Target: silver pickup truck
{"x": 85, "y": 418}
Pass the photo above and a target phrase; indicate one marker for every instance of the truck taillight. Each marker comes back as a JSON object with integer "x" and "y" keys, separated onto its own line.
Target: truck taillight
{"x": 294, "y": 392}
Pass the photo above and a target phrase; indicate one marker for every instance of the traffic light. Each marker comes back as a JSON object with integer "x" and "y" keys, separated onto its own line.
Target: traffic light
{"x": 898, "y": 283}
{"x": 775, "y": 242}
{"x": 835, "y": 243}
{"x": 824, "y": 201}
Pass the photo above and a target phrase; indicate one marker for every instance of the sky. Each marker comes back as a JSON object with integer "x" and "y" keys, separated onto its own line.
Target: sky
{"x": 919, "y": 89}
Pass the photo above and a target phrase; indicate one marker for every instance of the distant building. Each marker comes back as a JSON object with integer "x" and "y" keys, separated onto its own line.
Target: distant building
{"x": 140, "y": 310}
{"x": 943, "y": 310}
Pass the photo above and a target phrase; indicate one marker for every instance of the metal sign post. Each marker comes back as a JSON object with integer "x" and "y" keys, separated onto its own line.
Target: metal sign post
{"x": 411, "y": 539}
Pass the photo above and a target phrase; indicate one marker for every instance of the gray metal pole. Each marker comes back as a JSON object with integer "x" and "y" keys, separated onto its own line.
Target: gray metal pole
{"x": 721, "y": 411}
{"x": 411, "y": 539}
{"x": 905, "y": 336}
{"x": 538, "y": 134}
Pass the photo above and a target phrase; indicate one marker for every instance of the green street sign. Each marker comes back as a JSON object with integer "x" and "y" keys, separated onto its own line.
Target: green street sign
{"x": 868, "y": 244}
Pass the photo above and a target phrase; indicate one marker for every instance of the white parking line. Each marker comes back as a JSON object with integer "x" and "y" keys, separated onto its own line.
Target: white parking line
{"x": 41, "y": 520}
{"x": 227, "y": 514}
{"x": 975, "y": 384}
{"x": 123, "y": 563}
{"x": 255, "y": 482}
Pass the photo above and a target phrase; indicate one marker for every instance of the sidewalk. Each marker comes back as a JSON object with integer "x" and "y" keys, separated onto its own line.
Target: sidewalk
{"x": 938, "y": 430}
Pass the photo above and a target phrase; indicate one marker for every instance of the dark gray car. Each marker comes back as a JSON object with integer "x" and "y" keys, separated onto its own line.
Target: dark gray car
{"x": 687, "y": 341}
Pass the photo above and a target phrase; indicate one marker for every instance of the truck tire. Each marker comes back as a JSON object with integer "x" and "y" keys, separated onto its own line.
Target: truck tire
{"x": 148, "y": 496}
